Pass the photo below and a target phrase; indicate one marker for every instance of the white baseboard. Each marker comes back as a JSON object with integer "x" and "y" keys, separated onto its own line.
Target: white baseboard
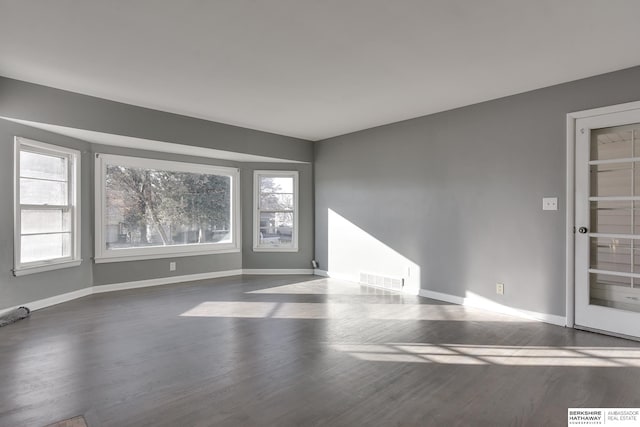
{"x": 47, "y": 302}
{"x": 277, "y": 271}
{"x": 473, "y": 301}
{"x": 340, "y": 276}
{"x": 164, "y": 281}
{"x": 99, "y": 289}
{"x": 453, "y": 299}
{"x": 486, "y": 304}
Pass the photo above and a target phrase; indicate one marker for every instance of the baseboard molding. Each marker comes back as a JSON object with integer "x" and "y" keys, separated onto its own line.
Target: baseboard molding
{"x": 54, "y": 300}
{"x": 355, "y": 279}
{"x": 476, "y": 302}
{"x": 453, "y": 299}
{"x": 269, "y": 271}
{"x": 340, "y": 276}
{"x": 99, "y": 289}
{"x": 485, "y": 304}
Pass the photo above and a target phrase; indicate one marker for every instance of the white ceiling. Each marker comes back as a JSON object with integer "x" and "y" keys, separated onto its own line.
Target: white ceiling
{"x": 308, "y": 68}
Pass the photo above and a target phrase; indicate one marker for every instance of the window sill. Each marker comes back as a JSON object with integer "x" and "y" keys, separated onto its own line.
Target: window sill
{"x": 23, "y": 271}
{"x": 141, "y": 257}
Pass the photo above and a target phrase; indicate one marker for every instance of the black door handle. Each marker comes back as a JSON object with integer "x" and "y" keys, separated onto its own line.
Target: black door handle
{"x": 582, "y": 230}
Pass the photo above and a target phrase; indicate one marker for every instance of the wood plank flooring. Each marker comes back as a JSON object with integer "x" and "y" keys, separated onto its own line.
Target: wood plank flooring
{"x": 300, "y": 351}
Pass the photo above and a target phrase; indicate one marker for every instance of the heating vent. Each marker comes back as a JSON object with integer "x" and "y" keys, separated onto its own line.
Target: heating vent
{"x": 384, "y": 282}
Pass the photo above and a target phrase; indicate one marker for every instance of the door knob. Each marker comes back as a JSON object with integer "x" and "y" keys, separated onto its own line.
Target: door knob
{"x": 582, "y": 230}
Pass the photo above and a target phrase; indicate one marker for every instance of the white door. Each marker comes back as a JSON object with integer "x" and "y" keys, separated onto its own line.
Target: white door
{"x": 607, "y": 238}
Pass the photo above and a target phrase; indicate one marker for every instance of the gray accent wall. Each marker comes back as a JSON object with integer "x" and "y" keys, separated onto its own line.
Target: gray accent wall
{"x": 459, "y": 193}
{"x": 32, "y": 287}
{"x": 26, "y": 101}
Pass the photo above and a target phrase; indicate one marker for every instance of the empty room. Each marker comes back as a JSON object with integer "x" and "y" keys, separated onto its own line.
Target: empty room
{"x": 327, "y": 213}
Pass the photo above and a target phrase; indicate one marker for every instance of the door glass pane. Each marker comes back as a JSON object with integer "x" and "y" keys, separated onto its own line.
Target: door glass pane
{"x": 618, "y": 217}
{"x": 42, "y": 247}
{"x": 615, "y": 254}
{"x": 612, "y": 179}
{"x": 614, "y": 291}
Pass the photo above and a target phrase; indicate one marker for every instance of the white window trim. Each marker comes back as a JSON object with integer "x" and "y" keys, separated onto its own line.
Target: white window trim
{"x": 74, "y": 156}
{"x": 103, "y": 255}
{"x": 256, "y": 210}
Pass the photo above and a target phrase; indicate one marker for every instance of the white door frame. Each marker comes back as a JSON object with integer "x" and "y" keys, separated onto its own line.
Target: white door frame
{"x": 570, "y": 196}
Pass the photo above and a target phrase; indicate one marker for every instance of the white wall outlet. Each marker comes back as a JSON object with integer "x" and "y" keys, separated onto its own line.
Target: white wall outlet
{"x": 549, "y": 203}
{"x": 172, "y": 266}
{"x": 500, "y": 288}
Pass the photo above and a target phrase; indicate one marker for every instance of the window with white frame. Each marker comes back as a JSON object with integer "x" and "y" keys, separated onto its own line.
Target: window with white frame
{"x": 147, "y": 208}
{"x": 276, "y": 211}
{"x": 47, "y": 207}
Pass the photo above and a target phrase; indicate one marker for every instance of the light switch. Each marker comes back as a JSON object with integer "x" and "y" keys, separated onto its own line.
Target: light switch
{"x": 549, "y": 203}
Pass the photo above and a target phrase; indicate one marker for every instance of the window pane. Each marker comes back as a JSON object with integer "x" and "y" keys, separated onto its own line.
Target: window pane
{"x": 271, "y": 184}
{"x": 35, "y": 165}
{"x": 613, "y": 291}
{"x": 615, "y": 143}
{"x": 45, "y": 221}
{"x": 149, "y": 207}
{"x": 38, "y": 192}
{"x": 42, "y": 247}
{"x": 276, "y": 201}
{"x": 276, "y": 228}
{"x": 613, "y": 254}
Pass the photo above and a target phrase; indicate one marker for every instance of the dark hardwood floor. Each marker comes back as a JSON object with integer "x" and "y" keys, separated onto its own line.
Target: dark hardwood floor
{"x": 298, "y": 351}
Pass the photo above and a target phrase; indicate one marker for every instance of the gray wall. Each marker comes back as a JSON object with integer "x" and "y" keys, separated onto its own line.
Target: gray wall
{"x": 31, "y": 102}
{"x": 129, "y": 271}
{"x": 459, "y": 193}
{"x": 300, "y": 259}
{"x": 32, "y": 287}
{"x": 27, "y": 101}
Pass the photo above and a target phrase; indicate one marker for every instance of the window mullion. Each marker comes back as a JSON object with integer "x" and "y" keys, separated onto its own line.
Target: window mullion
{"x": 44, "y": 179}
{"x": 46, "y": 232}
{"x": 65, "y": 208}
{"x": 277, "y": 211}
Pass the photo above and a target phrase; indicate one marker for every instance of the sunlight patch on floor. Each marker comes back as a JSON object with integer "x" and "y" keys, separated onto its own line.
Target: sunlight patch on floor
{"x": 462, "y": 354}
{"x": 337, "y": 310}
{"x": 321, "y": 287}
